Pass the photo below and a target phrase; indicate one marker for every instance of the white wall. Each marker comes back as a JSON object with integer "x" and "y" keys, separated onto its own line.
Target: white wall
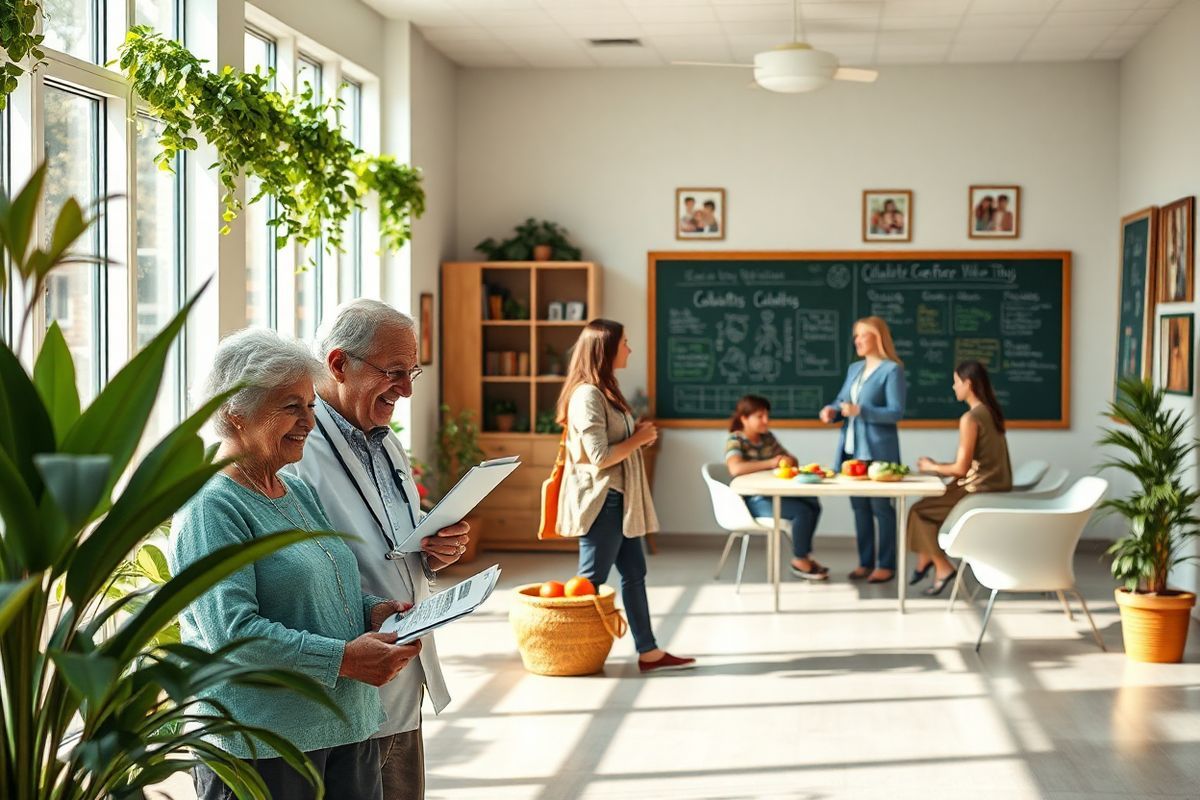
{"x": 1160, "y": 115}
{"x": 603, "y": 151}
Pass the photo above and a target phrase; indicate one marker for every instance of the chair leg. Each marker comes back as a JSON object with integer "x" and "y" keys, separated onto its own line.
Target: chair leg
{"x": 957, "y": 585}
{"x": 1088, "y": 614}
{"x": 742, "y": 562}
{"x": 1062, "y": 598}
{"x": 725, "y": 554}
{"x": 987, "y": 615}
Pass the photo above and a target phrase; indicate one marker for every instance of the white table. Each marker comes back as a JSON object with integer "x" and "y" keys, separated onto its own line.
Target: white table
{"x": 766, "y": 484}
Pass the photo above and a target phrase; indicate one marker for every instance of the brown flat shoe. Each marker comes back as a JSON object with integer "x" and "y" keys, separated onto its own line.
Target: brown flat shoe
{"x": 881, "y": 576}
{"x": 858, "y": 573}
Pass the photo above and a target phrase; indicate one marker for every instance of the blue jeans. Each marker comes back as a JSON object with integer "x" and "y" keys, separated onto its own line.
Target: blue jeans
{"x": 867, "y": 512}
{"x": 605, "y": 545}
{"x": 803, "y": 513}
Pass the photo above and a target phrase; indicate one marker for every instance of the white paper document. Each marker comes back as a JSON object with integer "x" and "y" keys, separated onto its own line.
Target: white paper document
{"x": 445, "y": 606}
{"x": 477, "y": 484}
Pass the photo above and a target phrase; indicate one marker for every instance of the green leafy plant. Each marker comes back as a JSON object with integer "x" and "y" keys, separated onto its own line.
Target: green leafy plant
{"x": 457, "y": 447}
{"x": 96, "y": 701}
{"x": 1156, "y": 452}
{"x": 545, "y": 423}
{"x": 18, "y": 20}
{"x": 530, "y": 234}
{"x": 317, "y": 176}
{"x": 503, "y": 407}
{"x": 422, "y": 474}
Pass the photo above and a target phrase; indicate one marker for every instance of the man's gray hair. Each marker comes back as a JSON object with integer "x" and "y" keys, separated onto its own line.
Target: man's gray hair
{"x": 354, "y": 326}
{"x": 259, "y": 361}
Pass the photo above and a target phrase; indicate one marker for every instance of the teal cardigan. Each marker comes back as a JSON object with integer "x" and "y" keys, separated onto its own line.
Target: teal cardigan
{"x": 290, "y": 607}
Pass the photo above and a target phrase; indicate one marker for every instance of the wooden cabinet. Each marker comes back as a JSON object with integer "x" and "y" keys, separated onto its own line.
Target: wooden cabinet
{"x": 485, "y": 346}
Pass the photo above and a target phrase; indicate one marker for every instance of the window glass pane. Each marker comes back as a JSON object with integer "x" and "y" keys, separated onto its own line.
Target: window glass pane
{"x": 350, "y": 261}
{"x": 159, "y": 284}
{"x": 162, "y": 15}
{"x": 73, "y": 292}
{"x": 308, "y": 73}
{"x": 308, "y": 293}
{"x": 72, "y": 26}
{"x": 260, "y": 236}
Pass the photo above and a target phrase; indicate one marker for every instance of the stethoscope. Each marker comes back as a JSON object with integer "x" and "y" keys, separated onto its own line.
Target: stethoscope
{"x": 397, "y": 479}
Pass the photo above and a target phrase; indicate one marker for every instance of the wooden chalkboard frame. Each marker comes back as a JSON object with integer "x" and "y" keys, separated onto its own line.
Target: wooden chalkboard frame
{"x": 1150, "y": 290}
{"x": 654, "y": 256}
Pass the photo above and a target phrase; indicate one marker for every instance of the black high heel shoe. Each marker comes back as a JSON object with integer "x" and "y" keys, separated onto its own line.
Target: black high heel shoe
{"x": 940, "y": 583}
{"x": 918, "y": 575}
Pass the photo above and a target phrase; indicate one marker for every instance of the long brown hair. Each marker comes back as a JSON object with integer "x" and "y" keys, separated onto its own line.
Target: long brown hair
{"x": 749, "y": 404}
{"x": 981, "y": 385}
{"x": 592, "y": 363}
{"x": 880, "y": 326}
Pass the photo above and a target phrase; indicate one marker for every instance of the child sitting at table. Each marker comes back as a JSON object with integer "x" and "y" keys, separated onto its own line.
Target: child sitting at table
{"x": 751, "y": 447}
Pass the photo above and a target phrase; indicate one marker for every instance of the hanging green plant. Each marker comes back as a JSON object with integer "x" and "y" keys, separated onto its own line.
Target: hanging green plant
{"x": 317, "y": 176}
{"x": 17, "y": 40}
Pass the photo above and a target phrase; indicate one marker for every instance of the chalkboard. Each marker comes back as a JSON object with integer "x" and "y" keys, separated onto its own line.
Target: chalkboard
{"x": 779, "y": 325}
{"x": 1135, "y": 316}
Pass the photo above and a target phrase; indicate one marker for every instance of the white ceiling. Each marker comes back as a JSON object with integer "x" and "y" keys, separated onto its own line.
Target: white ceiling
{"x": 554, "y": 33}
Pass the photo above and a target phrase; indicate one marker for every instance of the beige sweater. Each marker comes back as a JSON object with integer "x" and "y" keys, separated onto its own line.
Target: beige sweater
{"x": 593, "y": 425}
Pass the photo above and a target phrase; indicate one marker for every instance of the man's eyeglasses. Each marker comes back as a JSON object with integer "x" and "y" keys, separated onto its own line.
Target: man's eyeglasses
{"x": 393, "y": 375}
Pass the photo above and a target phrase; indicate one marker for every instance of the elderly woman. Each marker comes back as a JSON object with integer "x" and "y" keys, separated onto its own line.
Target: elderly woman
{"x": 301, "y": 608}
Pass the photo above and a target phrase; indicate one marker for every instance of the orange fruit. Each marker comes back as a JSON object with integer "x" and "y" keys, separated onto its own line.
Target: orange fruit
{"x": 551, "y": 589}
{"x": 580, "y": 586}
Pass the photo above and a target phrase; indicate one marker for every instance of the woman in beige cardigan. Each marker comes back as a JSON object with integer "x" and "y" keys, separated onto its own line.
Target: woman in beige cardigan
{"x": 605, "y": 498}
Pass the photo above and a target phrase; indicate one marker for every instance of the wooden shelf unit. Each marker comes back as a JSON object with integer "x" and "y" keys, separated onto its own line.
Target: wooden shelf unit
{"x": 510, "y": 514}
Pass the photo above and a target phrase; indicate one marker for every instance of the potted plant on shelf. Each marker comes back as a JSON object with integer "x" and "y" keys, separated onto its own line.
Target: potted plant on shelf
{"x": 1156, "y": 451}
{"x": 536, "y": 240}
{"x": 504, "y": 415}
{"x": 457, "y": 451}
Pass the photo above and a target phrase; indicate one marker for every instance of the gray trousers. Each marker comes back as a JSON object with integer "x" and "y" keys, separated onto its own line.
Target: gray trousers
{"x": 350, "y": 772}
{"x": 402, "y": 763}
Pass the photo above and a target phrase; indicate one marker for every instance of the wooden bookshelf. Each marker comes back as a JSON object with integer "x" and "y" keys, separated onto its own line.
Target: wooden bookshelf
{"x": 469, "y": 333}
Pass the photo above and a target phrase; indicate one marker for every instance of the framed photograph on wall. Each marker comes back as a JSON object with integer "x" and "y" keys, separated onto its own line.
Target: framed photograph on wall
{"x": 994, "y": 212}
{"x": 1175, "y": 353}
{"x": 1177, "y": 251}
{"x": 699, "y": 213}
{"x": 1136, "y": 302}
{"x": 426, "y": 323}
{"x": 887, "y": 215}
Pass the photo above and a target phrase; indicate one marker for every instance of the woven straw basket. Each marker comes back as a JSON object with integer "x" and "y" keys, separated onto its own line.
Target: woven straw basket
{"x": 564, "y": 635}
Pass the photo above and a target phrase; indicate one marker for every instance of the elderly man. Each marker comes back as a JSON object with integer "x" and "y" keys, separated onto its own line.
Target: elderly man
{"x": 361, "y": 474}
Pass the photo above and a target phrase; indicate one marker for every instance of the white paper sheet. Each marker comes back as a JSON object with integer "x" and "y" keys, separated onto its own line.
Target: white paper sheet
{"x": 445, "y": 606}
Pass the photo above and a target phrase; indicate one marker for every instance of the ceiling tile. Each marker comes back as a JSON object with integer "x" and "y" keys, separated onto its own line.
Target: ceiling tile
{"x": 1074, "y": 19}
{"x": 1054, "y": 54}
{"x": 999, "y": 36}
{"x": 840, "y": 10}
{"x": 919, "y": 23}
{"x": 512, "y": 5}
{"x": 744, "y": 12}
{"x": 673, "y": 14}
{"x": 1147, "y": 16}
{"x": 532, "y": 32}
{"x": 973, "y": 21}
{"x": 781, "y": 30}
{"x": 682, "y": 29}
{"x": 1098, "y": 5}
{"x": 599, "y": 31}
{"x": 912, "y": 54}
{"x": 626, "y": 57}
{"x": 591, "y": 16}
{"x": 831, "y": 41}
{"x": 924, "y": 8}
{"x": 1071, "y": 38}
{"x": 1161, "y": 3}
{"x": 691, "y": 48}
{"x": 839, "y": 26}
{"x": 451, "y": 33}
{"x": 1012, "y": 6}
{"x": 983, "y": 54}
{"x": 925, "y": 38}
{"x": 1129, "y": 34}
{"x": 498, "y": 18}
{"x": 558, "y": 60}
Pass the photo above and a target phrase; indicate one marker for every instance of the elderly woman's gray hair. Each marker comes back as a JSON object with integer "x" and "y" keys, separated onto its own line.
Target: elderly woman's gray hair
{"x": 354, "y": 325}
{"x": 259, "y": 361}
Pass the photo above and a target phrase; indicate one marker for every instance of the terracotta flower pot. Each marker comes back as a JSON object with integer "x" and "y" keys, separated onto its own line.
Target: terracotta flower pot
{"x": 542, "y": 252}
{"x": 505, "y": 422}
{"x": 1155, "y": 626}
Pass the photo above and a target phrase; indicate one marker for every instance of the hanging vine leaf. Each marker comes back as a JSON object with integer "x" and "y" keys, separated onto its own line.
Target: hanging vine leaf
{"x": 17, "y": 40}
{"x": 317, "y": 176}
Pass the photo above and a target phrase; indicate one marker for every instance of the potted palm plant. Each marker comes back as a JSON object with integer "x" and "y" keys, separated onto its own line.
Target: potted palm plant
{"x": 96, "y": 699}
{"x": 1155, "y": 450}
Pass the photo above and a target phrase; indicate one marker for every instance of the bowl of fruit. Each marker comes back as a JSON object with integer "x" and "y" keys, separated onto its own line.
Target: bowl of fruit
{"x": 811, "y": 473}
{"x": 854, "y": 469}
{"x": 887, "y": 471}
{"x": 565, "y": 628}
{"x": 786, "y": 469}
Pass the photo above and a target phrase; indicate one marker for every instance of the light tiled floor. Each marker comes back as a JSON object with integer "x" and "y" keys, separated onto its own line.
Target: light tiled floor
{"x": 837, "y": 696}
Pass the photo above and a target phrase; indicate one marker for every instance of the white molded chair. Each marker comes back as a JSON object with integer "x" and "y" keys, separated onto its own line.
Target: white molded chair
{"x": 1025, "y": 476}
{"x": 731, "y": 512}
{"x": 1029, "y": 548}
{"x": 1050, "y": 485}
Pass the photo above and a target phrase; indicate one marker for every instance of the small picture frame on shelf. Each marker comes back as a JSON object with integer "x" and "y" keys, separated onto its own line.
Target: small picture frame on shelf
{"x": 555, "y": 311}
{"x": 576, "y": 311}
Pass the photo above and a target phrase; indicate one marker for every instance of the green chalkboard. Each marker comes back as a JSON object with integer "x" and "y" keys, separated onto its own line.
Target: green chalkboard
{"x": 1135, "y": 320}
{"x": 779, "y": 325}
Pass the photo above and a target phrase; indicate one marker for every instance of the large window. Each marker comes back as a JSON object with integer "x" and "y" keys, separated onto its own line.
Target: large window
{"x": 261, "y": 255}
{"x": 75, "y": 27}
{"x": 75, "y": 151}
{"x": 309, "y": 278}
{"x": 160, "y": 282}
{"x": 350, "y": 264}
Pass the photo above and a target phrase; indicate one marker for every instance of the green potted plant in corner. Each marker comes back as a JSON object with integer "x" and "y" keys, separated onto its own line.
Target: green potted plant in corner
{"x": 457, "y": 451}
{"x": 97, "y": 701}
{"x": 535, "y": 240}
{"x": 504, "y": 415}
{"x": 1155, "y": 452}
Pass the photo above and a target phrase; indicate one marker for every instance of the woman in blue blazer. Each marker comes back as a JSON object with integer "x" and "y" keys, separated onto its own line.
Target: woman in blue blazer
{"x": 869, "y": 405}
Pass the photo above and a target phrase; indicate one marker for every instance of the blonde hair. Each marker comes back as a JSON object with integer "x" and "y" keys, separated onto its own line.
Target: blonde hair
{"x": 881, "y": 329}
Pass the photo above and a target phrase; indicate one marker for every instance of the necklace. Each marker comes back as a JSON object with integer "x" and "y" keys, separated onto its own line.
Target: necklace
{"x": 306, "y": 525}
